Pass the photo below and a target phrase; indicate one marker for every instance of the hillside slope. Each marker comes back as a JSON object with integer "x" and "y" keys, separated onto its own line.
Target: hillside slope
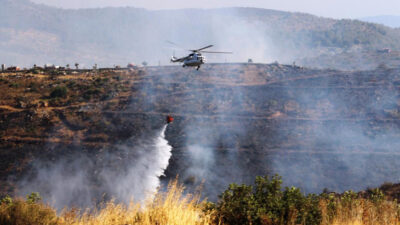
{"x": 39, "y": 34}
{"x": 317, "y": 128}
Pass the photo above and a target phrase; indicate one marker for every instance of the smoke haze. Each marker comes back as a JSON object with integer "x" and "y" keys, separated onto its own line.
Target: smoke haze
{"x": 117, "y": 36}
{"x": 317, "y": 128}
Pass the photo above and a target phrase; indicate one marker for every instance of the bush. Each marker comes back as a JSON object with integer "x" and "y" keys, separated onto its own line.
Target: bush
{"x": 55, "y": 73}
{"x": 266, "y": 203}
{"x": 14, "y": 85}
{"x": 91, "y": 92}
{"x": 35, "y": 71}
{"x": 237, "y": 205}
{"x": 71, "y": 84}
{"x": 7, "y": 200}
{"x": 59, "y": 92}
{"x": 376, "y": 195}
{"x": 300, "y": 209}
{"x": 18, "y": 211}
{"x": 34, "y": 197}
{"x": 34, "y": 87}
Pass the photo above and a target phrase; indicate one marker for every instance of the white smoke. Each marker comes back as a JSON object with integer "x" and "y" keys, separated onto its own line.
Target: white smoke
{"x": 130, "y": 171}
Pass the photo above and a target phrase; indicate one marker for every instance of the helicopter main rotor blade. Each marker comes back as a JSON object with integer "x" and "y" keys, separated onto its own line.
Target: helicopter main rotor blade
{"x": 216, "y": 52}
{"x": 172, "y": 43}
{"x": 176, "y": 45}
{"x": 198, "y": 50}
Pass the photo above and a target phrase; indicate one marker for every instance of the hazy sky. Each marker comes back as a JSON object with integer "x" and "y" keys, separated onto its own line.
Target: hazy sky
{"x": 327, "y": 8}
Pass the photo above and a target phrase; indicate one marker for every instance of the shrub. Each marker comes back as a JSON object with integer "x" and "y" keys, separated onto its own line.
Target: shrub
{"x": 376, "y": 195}
{"x": 17, "y": 211}
{"x": 348, "y": 197}
{"x": 71, "y": 84}
{"x": 266, "y": 203}
{"x": 34, "y": 197}
{"x": 330, "y": 203}
{"x": 35, "y": 71}
{"x": 59, "y": 92}
{"x": 237, "y": 205}
{"x": 7, "y": 200}
{"x": 34, "y": 87}
{"x": 300, "y": 209}
{"x": 14, "y": 85}
{"x": 91, "y": 92}
{"x": 55, "y": 73}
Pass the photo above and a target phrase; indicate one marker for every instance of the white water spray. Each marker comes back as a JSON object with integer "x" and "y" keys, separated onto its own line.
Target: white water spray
{"x": 142, "y": 177}
{"x": 158, "y": 162}
{"x": 130, "y": 171}
{"x": 164, "y": 151}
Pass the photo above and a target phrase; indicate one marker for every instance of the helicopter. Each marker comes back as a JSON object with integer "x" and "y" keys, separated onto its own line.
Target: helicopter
{"x": 195, "y": 59}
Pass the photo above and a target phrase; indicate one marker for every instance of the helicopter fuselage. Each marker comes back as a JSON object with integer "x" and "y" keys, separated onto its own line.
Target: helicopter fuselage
{"x": 194, "y": 59}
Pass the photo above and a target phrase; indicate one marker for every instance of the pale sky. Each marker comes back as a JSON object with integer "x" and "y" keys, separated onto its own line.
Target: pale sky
{"x": 326, "y": 8}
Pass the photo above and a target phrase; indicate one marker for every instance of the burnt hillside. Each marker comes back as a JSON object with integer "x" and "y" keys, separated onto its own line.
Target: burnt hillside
{"x": 317, "y": 128}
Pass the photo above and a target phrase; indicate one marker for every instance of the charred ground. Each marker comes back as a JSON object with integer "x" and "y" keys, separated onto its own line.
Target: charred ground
{"x": 317, "y": 128}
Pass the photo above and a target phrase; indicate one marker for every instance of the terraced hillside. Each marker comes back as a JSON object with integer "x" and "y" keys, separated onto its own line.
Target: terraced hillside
{"x": 317, "y": 128}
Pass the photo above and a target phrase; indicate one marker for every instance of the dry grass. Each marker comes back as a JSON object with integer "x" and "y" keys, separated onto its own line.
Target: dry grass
{"x": 19, "y": 212}
{"x": 173, "y": 207}
{"x": 361, "y": 212}
{"x": 166, "y": 208}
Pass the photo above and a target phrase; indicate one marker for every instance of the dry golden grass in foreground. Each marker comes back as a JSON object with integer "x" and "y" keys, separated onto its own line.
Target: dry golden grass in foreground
{"x": 360, "y": 212}
{"x": 166, "y": 208}
{"x": 173, "y": 207}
